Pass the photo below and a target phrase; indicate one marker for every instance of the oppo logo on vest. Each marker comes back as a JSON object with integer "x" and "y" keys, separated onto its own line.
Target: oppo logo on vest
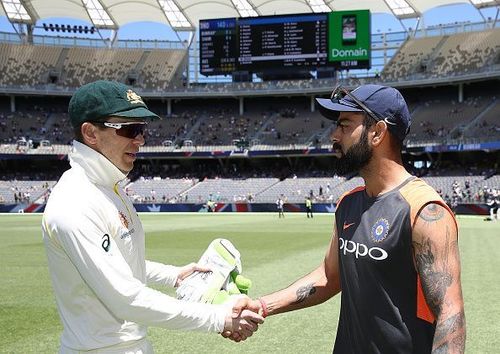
{"x": 361, "y": 250}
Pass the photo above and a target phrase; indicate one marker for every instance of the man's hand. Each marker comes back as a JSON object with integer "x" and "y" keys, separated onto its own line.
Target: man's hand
{"x": 189, "y": 269}
{"x": 248, "y": 304}
{"x": 248, "y": 310}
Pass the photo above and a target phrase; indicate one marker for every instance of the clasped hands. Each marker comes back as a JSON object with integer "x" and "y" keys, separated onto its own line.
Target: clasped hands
{"x": 243, "y": 320}
{"x": 245, "y": 315}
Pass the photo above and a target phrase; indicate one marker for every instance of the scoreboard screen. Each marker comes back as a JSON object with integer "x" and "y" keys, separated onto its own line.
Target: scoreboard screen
{"x": 282, "y": 41}
{"x": 218, "y": 46}
{"x": 257, "y": 44}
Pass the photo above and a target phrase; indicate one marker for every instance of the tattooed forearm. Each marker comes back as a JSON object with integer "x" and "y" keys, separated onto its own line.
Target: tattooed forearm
{"x": 434, "y": 281}
{"x": 432, "y": 212}
{"x": 437, "y": 259}
{"x": 449, "y": 326}
{"x": 450, "y": 335}
{"x": 304, "y": 291}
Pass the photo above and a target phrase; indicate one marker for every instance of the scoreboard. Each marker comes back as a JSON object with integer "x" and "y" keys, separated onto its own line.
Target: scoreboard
{"x": 284, "y": 41}
{"x": 218, "y": 46}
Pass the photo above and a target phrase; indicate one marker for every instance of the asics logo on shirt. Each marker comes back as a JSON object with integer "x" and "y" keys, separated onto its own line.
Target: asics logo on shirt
{"x": 361, "y": 250}
{"x": 106, "y": 242}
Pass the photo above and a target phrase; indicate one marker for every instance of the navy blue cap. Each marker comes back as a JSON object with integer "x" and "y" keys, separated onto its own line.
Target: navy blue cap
{"x": 385, "y": 102}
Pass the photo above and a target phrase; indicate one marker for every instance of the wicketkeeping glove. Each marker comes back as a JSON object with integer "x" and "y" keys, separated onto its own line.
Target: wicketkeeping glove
{"x": 224, "y": 281}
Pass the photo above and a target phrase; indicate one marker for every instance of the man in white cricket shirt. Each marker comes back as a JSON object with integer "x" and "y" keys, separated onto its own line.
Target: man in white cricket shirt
{"x": 95, "y": 242}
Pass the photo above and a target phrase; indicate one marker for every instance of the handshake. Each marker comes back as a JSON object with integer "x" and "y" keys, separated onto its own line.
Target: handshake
{"x": 217, "y": 279}
{"x": 243, "y": 320}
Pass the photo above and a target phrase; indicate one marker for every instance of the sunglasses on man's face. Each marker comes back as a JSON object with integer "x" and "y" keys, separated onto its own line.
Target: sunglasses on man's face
{"x": 127, "y": 129}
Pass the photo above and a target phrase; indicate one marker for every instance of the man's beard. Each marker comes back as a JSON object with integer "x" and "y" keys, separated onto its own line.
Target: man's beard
{"x": 356, "y": 157}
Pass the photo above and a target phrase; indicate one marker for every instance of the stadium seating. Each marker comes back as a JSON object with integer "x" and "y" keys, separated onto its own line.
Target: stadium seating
{"x": 295, "y": 190}
{"x": 465, "y": 53}
{"x": 157, "y": 190}
{"x": 266, "y": 122}
{"x": 488, "y": 125}
{"x": 444, "y": 117}
{"x": 444, "y": 56}
{"x": 26, "y": 66}
{"x": 159, "y": 69}
{"x": 229, "y": 190}
{"x": 84, "y": 65}
{"x": 411, "y": 58}
{"x": 276, "y": 115}
{"x": 31, "y": 66}
{"x": 25, "y": 192}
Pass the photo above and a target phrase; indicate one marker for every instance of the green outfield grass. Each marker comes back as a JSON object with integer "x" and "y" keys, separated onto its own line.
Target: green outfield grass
{"x": 275, "y": 253}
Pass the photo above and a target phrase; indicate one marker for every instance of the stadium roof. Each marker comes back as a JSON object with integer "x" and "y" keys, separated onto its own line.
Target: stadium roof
{"x": 185, "y": 14}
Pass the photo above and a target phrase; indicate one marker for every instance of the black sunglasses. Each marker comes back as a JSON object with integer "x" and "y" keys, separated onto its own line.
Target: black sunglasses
{"x": 339, "y": 93}
{"x": 126, "y": 129}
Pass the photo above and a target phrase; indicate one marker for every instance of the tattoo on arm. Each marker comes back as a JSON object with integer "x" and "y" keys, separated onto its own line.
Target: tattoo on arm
{"x": 431, "y": 213}
{"x": 437, "y": 259}
{"x": 304, "y": 291}
{"x": 435, "y": 281}
{"x": 436, "y": 278}
{"x": 454, "y": 324}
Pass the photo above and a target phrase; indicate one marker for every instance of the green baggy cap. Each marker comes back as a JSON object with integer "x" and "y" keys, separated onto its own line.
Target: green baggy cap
{"x": 101, "y": 99}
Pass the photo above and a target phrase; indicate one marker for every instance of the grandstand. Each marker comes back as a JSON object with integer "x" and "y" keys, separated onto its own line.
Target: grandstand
{"x": 262, "y": 138}
{"x": 444, "y": 56}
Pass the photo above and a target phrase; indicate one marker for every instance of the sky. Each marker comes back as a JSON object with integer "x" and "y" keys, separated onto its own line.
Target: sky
{"x": 381, "y": 23}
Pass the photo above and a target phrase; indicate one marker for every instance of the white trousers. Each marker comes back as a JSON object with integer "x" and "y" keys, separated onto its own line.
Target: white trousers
{"x": 492, "y": 213}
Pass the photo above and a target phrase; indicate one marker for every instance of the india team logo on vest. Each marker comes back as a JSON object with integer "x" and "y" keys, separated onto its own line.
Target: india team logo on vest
{"x": 380, "y": 230}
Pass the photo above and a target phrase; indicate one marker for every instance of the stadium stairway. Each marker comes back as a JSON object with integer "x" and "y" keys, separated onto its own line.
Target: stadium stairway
{"x": 60, "y": 61}
{"x": 258, "y": 134}
{"x": 323, "y": 136}
{"x": 202, "y": 118}
{"x": 140, "y": 64}
{"x": 480, "y": 116}
{"x": 51, "y": 119}
{"x": 434, "y": 54}
{"x": 460, "y": 129}
{"x": 186, "y": 191}
{"x": 267, "y": 188}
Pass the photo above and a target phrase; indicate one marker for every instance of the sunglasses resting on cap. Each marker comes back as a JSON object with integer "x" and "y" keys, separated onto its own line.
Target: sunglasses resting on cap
{"x": 382, "y": 103}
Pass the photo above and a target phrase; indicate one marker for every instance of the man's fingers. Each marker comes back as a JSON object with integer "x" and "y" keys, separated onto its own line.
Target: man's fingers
{"x": 200, "y": 268}
{"x": 239, "y": 305}
{"x": 237, "y": 337}
{"x": 249, "y": 326}
{"x": 252, "y": 316}
{"x": 244, "y": 332}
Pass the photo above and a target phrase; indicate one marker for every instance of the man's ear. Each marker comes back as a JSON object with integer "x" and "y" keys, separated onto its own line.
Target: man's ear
{"x": 379, "y": 132}
{"x": 89, "y": 133}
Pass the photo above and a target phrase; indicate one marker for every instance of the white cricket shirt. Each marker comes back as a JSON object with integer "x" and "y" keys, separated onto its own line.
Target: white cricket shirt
{"x": 95, "y": 246}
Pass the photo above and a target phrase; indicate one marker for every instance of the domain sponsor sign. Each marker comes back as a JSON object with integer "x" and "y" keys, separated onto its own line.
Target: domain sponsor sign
{"x": 349, "y": 39}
